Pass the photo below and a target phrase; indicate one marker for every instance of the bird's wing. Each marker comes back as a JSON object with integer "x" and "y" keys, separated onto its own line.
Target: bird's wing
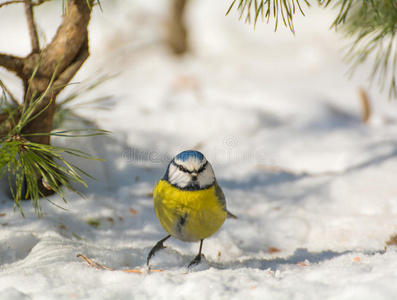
{"x": 222, "y": 200}
{"x": 220, "y": 195}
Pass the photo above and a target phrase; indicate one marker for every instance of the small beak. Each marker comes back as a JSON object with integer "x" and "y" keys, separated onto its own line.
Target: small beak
{"x": 194, "y": 176}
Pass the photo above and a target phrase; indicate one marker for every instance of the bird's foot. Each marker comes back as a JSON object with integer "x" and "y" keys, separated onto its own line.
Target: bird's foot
{"x": 156, "y": 248}
{"x": 196, "y": 260}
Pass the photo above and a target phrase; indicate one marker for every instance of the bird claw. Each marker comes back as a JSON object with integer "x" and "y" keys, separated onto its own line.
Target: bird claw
{"x": 152, "y": 252}
{"x": 156, "y": 248}
{"x": 195, "y": 261}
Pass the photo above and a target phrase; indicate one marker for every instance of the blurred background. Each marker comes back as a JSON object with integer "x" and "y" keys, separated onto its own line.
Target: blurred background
{"x": 254, "y": 100}
{"x": 304, "y": 150}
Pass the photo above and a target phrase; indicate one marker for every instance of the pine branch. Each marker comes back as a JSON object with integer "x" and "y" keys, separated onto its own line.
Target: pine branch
{"x": 35, "y": 168}
{"x": 72, "y": 69}
{"x": 37, "y": 3}
{"x": 74, "y": 27}
{"x": 269, "y": 8}
{"x": 11, "y": 2}
{"x": 12, "y": 63}
{"x": 63, "y": 56}
{"x": 34, "y": 38}
{"x": 372, "y": 25}
{"x": 26, "y": 159}
{"x": 177, "y": 33}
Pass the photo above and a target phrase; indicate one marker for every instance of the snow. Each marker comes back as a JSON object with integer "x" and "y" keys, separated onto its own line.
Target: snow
{"x": 280, "y": 121}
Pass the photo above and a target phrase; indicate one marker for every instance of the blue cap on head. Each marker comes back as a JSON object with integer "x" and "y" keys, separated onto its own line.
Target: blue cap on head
{"x": 185, "y": 155}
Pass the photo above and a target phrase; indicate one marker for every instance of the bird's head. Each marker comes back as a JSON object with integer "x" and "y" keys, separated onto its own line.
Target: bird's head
{"x": 190, "y": 170}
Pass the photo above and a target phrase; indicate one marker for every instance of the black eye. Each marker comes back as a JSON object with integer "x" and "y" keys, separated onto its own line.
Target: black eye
{"x": 181, "y": 168}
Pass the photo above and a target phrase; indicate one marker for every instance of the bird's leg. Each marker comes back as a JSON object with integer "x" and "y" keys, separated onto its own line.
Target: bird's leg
{"x": 156, "y": 248}
{"x": 197, "y": 259}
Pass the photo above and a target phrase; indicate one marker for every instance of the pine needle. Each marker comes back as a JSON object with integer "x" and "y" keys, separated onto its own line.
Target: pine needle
{"x": 273, "y": 8}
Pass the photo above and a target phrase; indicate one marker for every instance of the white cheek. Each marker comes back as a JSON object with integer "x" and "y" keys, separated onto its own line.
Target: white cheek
{"x": 177, "y": 177}
{"x": 207, "y": 177}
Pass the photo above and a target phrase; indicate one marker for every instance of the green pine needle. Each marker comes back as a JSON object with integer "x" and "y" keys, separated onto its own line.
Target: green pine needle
{"x": 373, "y": 26}
{"x": 273, "y": 8}
{"x": 371, "y": 23}
{"x": 25, "y": 161}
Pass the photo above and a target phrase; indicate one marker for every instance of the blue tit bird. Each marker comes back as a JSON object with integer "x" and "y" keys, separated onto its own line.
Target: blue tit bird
{"x": 188, "y": 201}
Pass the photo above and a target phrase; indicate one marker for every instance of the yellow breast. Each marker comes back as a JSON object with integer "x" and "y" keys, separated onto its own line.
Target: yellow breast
{"x": 188, "y": 215}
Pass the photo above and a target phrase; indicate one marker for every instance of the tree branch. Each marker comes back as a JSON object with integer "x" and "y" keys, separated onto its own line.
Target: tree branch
{"x": 69, "y": 38}
{"x": 12, "y": 63}
{"x": 23, "y": 1}
{"x": 62, "y": 51}
{"x": 177, "y": 33}
{"x": 73, "y": 68}
{"x": 11, "y": 2}
{"x": 32, "y": 26}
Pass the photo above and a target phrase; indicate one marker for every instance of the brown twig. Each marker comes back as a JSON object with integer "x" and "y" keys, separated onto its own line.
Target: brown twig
{"x": 12, "y": 63}
{"x": 67, "y": 42}
{"x": 177, "y": 33}
{"x": 11, "y": 2}
{"x": 366, "y": 105}
{"x": 23, "y": 1}
{"x": 98, "y": 266}
{"x": 34, "y": 38}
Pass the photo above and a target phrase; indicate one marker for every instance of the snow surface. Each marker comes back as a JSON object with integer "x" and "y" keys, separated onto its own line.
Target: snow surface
{"x": 313, "y": 186}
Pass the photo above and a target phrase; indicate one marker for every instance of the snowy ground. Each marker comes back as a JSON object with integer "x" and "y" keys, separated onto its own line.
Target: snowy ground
{"x": 313, "y": 186}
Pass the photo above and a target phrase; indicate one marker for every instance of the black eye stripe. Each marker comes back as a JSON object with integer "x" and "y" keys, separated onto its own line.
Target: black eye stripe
{"x": 181, "y": 168}
{"x": 202, "y": 167}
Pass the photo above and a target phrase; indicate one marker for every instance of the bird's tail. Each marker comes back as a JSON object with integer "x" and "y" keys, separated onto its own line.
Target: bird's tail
{"x": 229, "y": 215}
